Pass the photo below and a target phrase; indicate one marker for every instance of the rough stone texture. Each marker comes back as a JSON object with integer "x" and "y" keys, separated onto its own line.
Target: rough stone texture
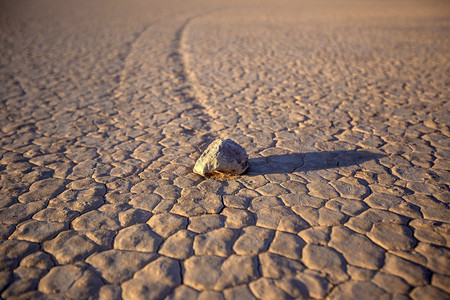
{"x": 237, "y": 218}
{"x": 319, "y": 235}
{"x": 428, "y": 292}
{"x": 307, "y": 284}
{"x": 97, "y": 220}
{"x": 438, "y": 258}
{"x": 194, "y": 202}
{"x": 287, "y": 245}
{"x": 390, "y": 283}
{"x": 204, "y": 278}
{"x": 37, "y": 231}
{"x": 25, "y": 281}
{"x": 116, "y": 266}
{"x": 238, "y": 293}
{"x": 179, "y": 245}
{"x": 358, "y": 290}
{"x": 70, "y": 246}
{"x": 392, "y": 236}
{"x": 357, "y": 249}
{"x": 223, "y": 157}
{"x": 264, "y": 288}
{"x": 412, "y": 273}
{"x": 12, "y": 252}
{"x": 39, "y": 259}
{"x": 364, "y": 222}
{"x": 253, "y": 240}
{"x": 87, "y": 286}
{"x": 18, "y": 212}
{"x": 237, "y": 270}
{"x": 342, "y": 107}
{"x": 45, "y": 189}
{"x": 217, "y": 242}
{"x": 277, "y": 266}
{"x": 109, "y": 292}
{"x": 60, "y": 279}
{"x": 183, "y": 292}
{"x": 167, "y": 224}
{"x": 326, "y": 260}
{"x": 210, "y": 295}
{"x": 164, "y": 274}
{"x": 442, "y": 282}
{"x": 137, "y": 238}
{"x": 431, "y": 232}
{"x": 205, "y": 223}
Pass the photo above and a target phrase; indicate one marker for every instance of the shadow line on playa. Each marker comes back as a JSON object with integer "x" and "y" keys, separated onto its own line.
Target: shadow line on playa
{"x": 309, "y": 161}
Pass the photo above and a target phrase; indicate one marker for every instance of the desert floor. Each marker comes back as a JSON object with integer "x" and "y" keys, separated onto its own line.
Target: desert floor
{"x": 342, "y": 107}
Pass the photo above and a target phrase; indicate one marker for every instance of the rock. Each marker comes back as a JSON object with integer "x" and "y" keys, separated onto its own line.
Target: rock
{"x": 223, "y": 157}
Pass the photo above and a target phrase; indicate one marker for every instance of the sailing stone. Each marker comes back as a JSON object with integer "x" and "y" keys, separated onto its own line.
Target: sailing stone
{"x": 222, "y": 157}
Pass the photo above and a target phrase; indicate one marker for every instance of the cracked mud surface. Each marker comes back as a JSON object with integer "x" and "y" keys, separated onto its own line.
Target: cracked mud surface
{"x": 342, "y": 107}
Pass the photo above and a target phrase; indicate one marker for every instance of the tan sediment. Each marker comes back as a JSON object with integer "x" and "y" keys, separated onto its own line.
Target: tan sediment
{"x": 342, "y": 107}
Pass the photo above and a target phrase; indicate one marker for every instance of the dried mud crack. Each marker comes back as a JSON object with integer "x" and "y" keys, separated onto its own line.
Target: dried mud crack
{"x": 342, "y": 107}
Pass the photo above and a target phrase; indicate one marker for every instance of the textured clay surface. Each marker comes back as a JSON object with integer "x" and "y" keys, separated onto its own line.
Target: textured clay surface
{"x": 342, "y": 107}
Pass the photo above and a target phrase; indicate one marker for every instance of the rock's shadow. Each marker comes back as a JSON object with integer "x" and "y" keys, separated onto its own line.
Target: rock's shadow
{"x": 309, "y": 161}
